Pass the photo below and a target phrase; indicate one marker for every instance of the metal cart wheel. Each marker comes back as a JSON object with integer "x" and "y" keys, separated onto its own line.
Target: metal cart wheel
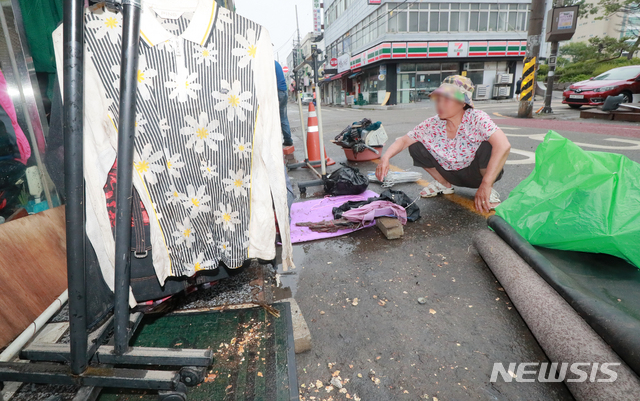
{"x": 191, "y": 375}
{"x": 172, "y": 396}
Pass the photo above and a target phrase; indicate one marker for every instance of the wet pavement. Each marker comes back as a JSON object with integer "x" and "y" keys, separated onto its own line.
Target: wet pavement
{"x": 359, "y": 293}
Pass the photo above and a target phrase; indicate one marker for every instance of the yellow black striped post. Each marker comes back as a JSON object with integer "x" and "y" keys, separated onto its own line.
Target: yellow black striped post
{"x": 527, "y": 89}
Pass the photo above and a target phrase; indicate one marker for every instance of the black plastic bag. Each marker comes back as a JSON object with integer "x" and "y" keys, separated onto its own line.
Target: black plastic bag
{"x": 400, "y": 198}
{"x": 346, "y": 180}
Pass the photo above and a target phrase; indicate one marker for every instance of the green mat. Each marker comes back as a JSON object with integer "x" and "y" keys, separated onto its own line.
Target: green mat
{"x": 254, "y": 353}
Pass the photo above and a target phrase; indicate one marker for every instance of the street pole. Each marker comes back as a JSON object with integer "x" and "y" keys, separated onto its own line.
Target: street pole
{"x": 527, "y": 92}
{"x": 548, "y": 95}
{"x": 297, "y": 55}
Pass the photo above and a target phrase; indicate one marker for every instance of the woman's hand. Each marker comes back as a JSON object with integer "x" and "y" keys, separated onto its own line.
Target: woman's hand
{"x": 482, "y": 198}
{"x": 383, "y": 168}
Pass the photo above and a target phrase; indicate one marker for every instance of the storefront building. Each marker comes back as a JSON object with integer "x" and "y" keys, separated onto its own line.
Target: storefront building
{"x": 399, "y": 52}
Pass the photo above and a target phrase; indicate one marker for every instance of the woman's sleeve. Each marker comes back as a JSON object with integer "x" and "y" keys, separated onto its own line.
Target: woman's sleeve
{"x": 484, "y": 125}
{"x": 421, "y": 130}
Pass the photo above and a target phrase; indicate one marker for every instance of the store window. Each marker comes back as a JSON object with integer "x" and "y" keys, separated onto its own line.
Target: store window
{"x": 415, "y": 82}
{"x": 31, "y": 156}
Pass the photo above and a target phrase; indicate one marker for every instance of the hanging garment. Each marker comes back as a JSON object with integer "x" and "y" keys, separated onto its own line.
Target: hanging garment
{"x": 7, "y": 106}
{"x": 207, "y": 147}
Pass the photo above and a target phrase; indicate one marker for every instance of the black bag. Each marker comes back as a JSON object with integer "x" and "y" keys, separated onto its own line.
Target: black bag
{"x": 399, "y": 197}
{"x": 346, "y": 180}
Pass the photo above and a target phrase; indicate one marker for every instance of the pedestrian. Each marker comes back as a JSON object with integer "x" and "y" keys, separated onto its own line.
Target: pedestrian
{"x": 459, "y": 146}
{"x": 282, "y": 99}
{"x": 518, "y": 88}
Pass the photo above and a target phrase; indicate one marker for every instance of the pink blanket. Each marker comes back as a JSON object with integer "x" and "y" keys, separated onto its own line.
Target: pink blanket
{"x": 316, "y": 210}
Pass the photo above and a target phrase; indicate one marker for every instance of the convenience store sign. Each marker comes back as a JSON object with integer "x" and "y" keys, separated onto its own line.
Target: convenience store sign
{"x": 408, "y": 50}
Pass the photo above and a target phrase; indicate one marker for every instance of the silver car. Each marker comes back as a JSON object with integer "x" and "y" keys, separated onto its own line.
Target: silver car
{"x": 306, "y": 98}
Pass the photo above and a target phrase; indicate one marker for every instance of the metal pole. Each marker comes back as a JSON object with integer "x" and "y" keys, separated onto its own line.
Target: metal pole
{"x": 73, "y": 43}
{"x": 548, "y": 95}
{"x": 126, "y": 134}
{"x": 525, "y": 109}
{"x": 297, "y": 50}
{"x": 323, "y": 161}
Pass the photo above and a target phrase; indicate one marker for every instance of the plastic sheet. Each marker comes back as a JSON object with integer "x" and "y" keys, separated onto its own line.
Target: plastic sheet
{"x": 578, "y": 200}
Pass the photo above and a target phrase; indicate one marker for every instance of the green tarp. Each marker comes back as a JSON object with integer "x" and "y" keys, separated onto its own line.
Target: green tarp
{"x": 578, "y": 200}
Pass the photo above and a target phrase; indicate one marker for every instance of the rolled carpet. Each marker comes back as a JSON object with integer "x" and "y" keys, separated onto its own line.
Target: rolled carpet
{"x": 563, "y": 335}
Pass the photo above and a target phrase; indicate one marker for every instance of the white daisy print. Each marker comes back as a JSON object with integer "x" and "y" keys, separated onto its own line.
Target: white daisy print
{"x": 173, "y": 163}
{"x": 164, "y": 126}
{"x": 173, "y": 195}
{"x": 145, "y": 77}
{"x": 200, "y": 132}
{"x": 205, "y": 54}
{"x": 233, "y": 99}
{"x": 237, "y": 183}
{"x": 184, "y": 233}
{"x": 224, "y": 248}
{"x": 227, "y": 217}
{"x": 198, "y": 263}
{"x": 208, "y": 170}
{"x": 248, "y": 48}
{"x": 107, "y": 23}
{"x": 183, "y": 85}
{"x": 196, "y": 202}
{"x": 241, "y": 148}
{"x": 223, "y": 18}
{"x": 245, "y": 243}
{"x": 148, "y": 165}
{"x": 140, "y": 122}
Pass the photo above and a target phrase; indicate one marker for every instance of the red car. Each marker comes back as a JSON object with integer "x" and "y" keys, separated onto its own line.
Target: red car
{"x": 623, "y": 81}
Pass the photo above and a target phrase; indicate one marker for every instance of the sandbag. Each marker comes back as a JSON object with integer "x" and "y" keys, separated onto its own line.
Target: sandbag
{"x": 578, "y": 200}
{"x": 346, "y": 180}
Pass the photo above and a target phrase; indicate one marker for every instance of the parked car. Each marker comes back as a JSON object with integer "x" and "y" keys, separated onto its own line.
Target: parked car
{"x": 623, "y": 81}
{"x": 306, "y": 98}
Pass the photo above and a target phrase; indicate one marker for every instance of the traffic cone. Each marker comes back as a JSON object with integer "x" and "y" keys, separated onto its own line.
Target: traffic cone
{"x": 313, "y": 139}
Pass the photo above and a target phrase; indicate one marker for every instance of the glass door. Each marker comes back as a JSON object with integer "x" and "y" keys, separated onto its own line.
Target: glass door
{"x": 406, "y": 87}
{"x": 427, "y": 82}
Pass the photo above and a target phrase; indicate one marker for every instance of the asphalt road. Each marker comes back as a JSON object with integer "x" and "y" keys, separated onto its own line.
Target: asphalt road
{"x": 445, "y": 348}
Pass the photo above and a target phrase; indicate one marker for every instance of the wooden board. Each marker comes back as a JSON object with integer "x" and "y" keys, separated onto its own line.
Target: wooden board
{"x": 33, "y": 269}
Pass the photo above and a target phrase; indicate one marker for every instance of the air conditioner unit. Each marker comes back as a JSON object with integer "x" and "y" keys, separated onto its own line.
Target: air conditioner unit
{"x": 481, "y": 92}
{"x": 504, "y": 78}
{"x": 501, "y": 91}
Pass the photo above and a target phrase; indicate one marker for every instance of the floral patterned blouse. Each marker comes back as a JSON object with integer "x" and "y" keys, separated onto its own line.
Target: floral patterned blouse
{"x": 207, "y": 143}
{"x": 457, "y": 153}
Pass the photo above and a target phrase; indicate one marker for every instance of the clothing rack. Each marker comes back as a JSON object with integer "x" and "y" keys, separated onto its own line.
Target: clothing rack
{"x": 86, "y": 362}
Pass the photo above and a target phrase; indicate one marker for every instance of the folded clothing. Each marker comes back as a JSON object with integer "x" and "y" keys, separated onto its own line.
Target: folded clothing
{"x": 367, "y": 213}
{"x": 398, "y": 197}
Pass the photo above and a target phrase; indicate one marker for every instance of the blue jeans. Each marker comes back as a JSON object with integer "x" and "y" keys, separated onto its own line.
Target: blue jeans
{"x": 284, "y": 120}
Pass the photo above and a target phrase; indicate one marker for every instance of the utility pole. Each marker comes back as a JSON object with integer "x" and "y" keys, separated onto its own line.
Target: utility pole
{"x": 528, "y": 86}
{"x": 553, "y": 56}
{"x": 297, "y": 55}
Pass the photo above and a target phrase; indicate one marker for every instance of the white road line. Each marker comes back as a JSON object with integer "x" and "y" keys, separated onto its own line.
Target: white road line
{"x": 635, "y": 145}
{"x": 530, "y": 157}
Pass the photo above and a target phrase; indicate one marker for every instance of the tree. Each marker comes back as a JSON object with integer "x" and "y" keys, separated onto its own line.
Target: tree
{"x": 607, "y": 8}
{"x": 600, "y": 49}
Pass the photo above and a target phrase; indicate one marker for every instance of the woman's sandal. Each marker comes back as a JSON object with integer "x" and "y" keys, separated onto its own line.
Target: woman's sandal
{"x": 435, "y": 189}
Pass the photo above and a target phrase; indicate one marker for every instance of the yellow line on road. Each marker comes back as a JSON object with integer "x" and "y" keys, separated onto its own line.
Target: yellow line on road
{"x": 498, "y": 114}
{"x": 455, "y": 198}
